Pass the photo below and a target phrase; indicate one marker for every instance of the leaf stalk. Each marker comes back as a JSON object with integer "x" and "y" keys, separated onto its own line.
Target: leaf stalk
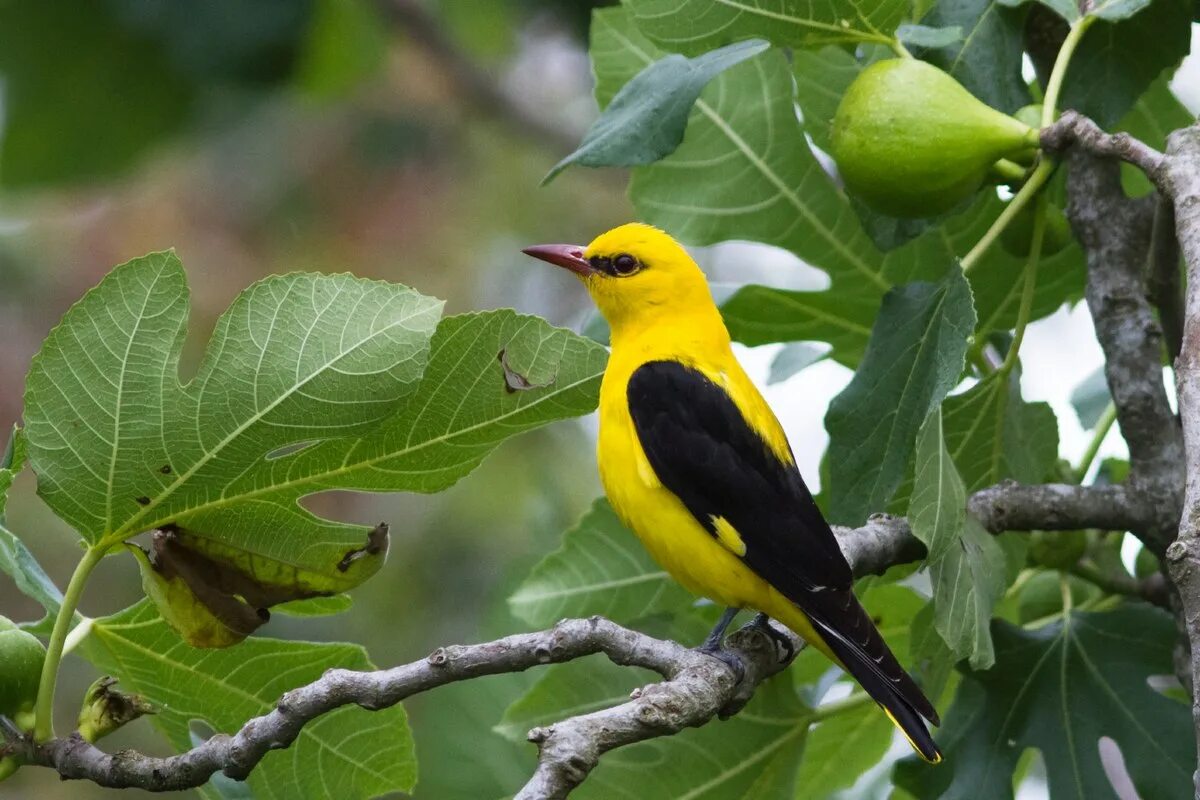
{"x": 44, "y": 710}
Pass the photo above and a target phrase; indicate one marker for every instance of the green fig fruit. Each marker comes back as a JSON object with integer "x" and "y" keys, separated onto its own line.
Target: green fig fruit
{"x": 21, "y": 657}
{"x": 1057, "y": 549}
{"x": 910, "y": 141}
{"x": 1017, "y": 238}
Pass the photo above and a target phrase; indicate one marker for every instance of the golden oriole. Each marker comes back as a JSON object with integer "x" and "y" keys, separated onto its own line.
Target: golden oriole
{"x": 694, "y": 461}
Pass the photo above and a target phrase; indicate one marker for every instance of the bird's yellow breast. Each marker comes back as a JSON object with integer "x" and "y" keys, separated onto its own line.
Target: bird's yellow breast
{"x": 704, "y": 564}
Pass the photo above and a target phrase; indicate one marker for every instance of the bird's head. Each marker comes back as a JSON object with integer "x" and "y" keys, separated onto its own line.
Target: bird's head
{"x": 636, "y": 274}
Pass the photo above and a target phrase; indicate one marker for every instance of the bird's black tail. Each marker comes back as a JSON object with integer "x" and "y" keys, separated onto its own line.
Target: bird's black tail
{"x": 861, "y": 650}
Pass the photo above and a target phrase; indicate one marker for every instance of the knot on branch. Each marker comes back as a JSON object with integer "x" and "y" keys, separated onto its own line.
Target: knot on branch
{"x": 1074, "y": 129}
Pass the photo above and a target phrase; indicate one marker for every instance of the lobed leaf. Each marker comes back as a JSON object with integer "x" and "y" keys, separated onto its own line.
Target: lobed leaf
{"x": 1059, "y": 689}
{"x": 310, "y": 383}
{"x": 348, "y": 753}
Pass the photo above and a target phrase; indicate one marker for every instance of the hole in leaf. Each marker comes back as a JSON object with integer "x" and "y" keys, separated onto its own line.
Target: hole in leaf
{"x": 1029, "y": 776}
{"x": 515, "y": 381}
{"x": 291, "y": 449}
{"x": 1114, "y": 769}
{"x": 1168, "y": 686}
{"x": 377, "y": 542}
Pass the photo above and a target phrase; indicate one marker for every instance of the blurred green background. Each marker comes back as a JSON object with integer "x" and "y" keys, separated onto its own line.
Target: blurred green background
{"x": 397, "y": 140}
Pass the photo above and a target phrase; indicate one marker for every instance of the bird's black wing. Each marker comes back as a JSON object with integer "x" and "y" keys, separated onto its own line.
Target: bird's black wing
{"x": 704, "y": 451}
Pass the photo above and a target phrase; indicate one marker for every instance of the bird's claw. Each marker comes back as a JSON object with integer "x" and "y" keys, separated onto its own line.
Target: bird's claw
{"x": 727, "y": 657}
{"x": 762, "y": 623}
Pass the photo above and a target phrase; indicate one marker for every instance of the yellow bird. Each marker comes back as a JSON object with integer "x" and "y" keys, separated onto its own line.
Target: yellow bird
{"x": 694, "y": 461}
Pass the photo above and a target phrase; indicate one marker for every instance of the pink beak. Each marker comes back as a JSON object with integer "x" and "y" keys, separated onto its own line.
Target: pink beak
{"x": 568, "y": 256}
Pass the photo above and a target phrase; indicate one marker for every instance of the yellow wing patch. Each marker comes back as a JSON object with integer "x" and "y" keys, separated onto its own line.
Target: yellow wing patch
{"x": 728, "y": 536}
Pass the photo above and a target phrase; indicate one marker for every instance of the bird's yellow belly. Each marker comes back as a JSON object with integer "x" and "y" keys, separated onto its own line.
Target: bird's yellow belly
{"x": 672, "y": 536}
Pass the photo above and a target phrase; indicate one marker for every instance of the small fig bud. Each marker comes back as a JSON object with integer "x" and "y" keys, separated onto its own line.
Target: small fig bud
{"x": 105, "y": 709}
{"x": 1017, "y": 238}
{"x": 910, "y": 141}
{"x": 1057, "y": 549}
{"x": 21, "y": 657}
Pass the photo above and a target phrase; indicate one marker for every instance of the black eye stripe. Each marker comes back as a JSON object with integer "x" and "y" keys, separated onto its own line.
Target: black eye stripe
{"x": 618, "y": 266}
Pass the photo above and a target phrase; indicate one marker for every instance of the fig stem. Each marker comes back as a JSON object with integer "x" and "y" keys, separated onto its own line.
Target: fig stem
{"x": 1008, "y": 171}
{"x": 1059, "y": 71}
{"x": 1103, "y": 426}
{"x": 1037, "y": 179}
{"x": 44, "y": 725}
{"x": 898, "y": 48}
{"x": 1031, "y": 270}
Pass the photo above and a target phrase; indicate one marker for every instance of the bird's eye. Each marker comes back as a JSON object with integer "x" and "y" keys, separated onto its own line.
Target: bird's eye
{"x": 625, "y": 264}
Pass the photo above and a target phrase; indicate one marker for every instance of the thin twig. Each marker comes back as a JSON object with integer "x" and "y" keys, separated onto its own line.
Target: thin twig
{"x": 1152, "y": 589}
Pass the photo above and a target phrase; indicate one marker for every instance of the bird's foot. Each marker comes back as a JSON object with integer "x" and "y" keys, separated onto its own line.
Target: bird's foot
{"x": 762, "y": 623}
{"x": 727, "y": 657}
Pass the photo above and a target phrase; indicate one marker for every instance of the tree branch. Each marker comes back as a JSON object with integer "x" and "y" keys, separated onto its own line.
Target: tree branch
{"x": 1074, "y": 129}
{"x": 1163, "y": 284}
{"x": 1152, "y": 589}
{"x": 1115, "y": 233}
{"x": 1183, "y": 556}
{"x": 697, "y": 687}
